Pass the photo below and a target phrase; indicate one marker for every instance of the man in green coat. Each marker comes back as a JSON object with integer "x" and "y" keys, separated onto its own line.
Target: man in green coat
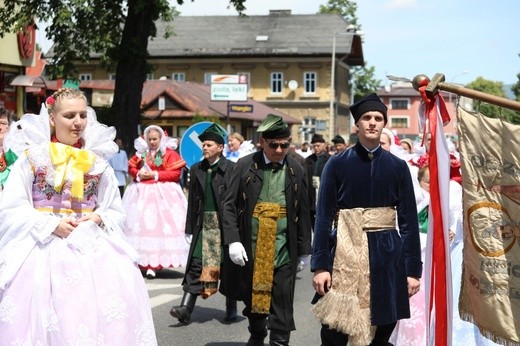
{"x": 208, "y": 182}
{"x": 266, "y": 228}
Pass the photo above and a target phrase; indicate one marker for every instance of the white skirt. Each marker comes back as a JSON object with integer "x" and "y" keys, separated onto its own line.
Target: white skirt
{"x": 82, "y": 290}
{"x": 155, "y": 223}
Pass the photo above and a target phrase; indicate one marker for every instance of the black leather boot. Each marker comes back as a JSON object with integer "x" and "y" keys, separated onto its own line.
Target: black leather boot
{"x": 231, "y": 310}
{"x": 258, "y": 330}
{"x": 279, "y": 337}
{"x": 183, "y": 313}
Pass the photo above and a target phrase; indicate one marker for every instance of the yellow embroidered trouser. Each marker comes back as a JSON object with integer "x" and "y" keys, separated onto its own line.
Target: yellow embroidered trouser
{"x": 346, "y": 307}
{"x": 267, "y": 215}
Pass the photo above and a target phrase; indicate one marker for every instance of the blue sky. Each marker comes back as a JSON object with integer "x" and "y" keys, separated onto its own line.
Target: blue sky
{"x": 463, "y": 39}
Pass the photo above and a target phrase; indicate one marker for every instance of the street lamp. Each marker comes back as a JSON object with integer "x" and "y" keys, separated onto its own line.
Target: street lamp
{"x": 351, "y": 30}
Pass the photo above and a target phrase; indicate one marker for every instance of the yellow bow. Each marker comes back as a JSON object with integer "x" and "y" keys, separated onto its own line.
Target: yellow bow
{"x": 73, "y": 162}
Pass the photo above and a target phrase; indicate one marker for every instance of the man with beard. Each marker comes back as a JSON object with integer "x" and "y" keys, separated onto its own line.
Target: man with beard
{"x": 208, "y": 183}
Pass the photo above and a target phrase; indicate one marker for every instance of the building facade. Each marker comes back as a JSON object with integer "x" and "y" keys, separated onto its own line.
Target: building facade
{"x": 403, "y": 103}
{"x": 287, "y": 60}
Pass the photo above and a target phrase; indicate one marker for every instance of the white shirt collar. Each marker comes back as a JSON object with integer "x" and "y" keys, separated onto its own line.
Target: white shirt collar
{"x": 269, "y": 161}
{"x": 371, "y": 151}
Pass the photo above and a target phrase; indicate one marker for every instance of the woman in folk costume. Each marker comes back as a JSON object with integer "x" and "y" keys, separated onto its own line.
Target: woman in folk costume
{"x": 388, "y": 143}
{"x": 412, "y": 332}
{"x": 67, "y": 275}
{"x": 155, "y": 203}
{"x": 8, "y": 157}
{"x": 237, "y": 147}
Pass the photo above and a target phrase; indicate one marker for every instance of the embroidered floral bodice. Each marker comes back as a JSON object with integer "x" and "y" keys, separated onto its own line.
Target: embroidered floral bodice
{"x": 47, "y": 199}
{"x": 45, "y": 196}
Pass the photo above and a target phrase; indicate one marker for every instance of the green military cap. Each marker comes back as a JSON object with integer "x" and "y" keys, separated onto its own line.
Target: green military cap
{"x": 213, "y": 133}
{"x": 273, "y": 127}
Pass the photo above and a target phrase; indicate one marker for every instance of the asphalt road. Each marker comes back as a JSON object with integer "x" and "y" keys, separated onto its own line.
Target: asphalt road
{"x": 207, "y": 327}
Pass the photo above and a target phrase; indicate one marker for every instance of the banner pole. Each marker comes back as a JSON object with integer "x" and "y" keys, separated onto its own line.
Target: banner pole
{"x": 437, "y": 83}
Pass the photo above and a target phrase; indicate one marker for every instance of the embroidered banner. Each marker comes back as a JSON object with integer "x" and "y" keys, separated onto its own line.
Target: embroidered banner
{"x": 490, "y": 293}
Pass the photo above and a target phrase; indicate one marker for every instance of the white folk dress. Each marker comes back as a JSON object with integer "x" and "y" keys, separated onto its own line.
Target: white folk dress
{"x": 85, "y": 289}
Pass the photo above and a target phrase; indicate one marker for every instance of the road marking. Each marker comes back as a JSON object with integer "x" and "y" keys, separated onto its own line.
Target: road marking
{"x": 162, "y": 299}
{"x": 156, "y": 286}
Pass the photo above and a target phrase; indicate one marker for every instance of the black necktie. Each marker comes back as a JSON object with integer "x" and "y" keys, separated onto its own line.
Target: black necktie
{"x": 275, "y": 166}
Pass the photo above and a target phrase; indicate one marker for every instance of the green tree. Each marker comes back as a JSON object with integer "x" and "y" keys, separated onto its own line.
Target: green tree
{"x": 516, "y": 88}
{"x": 492, "y": 111}
{"x": 363, "y": 80}
{"x": 347, "y": 9}
{"x": 116, "y": 30}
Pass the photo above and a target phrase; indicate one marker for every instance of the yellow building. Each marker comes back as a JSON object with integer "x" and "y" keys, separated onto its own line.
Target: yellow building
{"x": 287, "y": 60}
{"x": 17, "y": 53}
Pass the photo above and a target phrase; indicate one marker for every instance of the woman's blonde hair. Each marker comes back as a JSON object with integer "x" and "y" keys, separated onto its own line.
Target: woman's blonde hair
{"x": 421, "y": 172}
{"x": 237, "y": 136}
{"x": 54, "y": 100}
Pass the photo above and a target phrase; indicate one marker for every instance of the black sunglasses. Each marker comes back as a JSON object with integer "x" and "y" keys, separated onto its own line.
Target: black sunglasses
{"x": 274, "y": 145}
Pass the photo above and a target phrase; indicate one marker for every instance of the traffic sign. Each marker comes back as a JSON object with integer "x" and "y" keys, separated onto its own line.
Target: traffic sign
{"x": 191, "y": 146}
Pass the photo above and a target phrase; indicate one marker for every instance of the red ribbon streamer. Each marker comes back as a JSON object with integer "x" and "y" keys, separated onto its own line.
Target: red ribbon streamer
{"x": 438, "y": 274}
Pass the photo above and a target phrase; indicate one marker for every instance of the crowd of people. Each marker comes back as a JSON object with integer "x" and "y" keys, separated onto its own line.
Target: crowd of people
{"x": 246, "y": 221}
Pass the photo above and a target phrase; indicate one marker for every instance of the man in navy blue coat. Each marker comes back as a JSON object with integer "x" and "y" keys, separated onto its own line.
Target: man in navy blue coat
{"x": 365, "y": 270}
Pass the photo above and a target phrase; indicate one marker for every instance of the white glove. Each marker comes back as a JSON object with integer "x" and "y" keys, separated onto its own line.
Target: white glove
{"x": 188, "y": 238}
{"x": 237, "y": 253}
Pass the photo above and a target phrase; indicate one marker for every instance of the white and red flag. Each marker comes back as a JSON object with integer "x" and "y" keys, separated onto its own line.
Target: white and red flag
{"x": 437, "y": 271}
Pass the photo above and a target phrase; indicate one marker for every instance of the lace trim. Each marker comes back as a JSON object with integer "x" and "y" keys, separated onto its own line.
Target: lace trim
{"x": 34, "y": 129}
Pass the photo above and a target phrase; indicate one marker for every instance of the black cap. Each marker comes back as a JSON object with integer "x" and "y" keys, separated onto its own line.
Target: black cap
{"x": 368, "y": 103}
{"x": 316, "y": 138}
{"x": 338, "y": 139}
{"x": 213, "y": 133}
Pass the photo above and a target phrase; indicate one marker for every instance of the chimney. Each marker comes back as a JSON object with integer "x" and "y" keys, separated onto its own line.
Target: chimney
{"x": 279, "y": 12}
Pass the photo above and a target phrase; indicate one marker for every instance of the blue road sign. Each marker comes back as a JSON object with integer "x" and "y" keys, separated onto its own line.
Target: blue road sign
{"x": 191, "y": 146}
